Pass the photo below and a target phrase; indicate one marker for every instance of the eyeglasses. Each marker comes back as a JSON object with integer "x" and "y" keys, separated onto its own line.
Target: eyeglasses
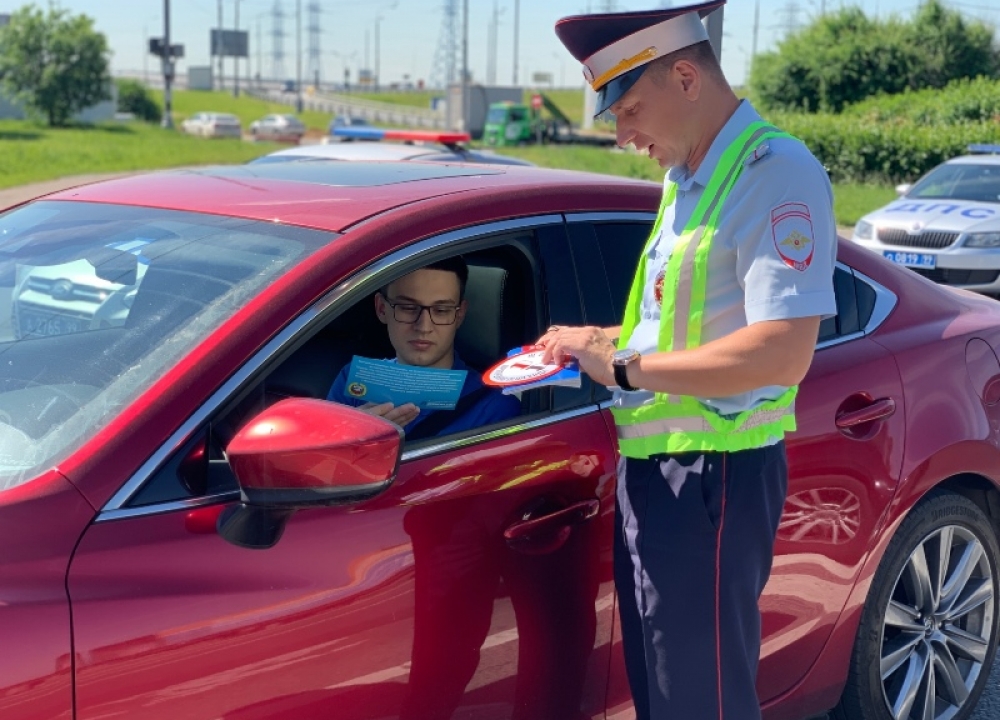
{"x": 410, "y": 313}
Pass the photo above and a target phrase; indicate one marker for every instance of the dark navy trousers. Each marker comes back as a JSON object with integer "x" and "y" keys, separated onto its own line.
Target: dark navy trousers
{"x": 694, "y": 542}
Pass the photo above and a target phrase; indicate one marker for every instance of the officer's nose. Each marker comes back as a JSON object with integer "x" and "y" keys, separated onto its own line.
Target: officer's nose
{"x": 623, "y": 134}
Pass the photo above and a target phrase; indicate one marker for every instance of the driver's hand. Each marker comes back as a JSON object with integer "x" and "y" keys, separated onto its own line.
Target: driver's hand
{"x": 402, "y": 415}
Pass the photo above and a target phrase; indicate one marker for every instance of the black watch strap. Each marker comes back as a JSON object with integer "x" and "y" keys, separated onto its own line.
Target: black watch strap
{"x": 621, "y": 378}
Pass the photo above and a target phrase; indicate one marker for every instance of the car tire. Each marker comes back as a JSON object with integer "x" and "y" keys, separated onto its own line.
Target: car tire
{"x": 929, "y": 626}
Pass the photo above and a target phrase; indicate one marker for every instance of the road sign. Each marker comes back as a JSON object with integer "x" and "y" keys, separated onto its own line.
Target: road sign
{"x": 536, "y": 101}
{"x": 229, "y": 43}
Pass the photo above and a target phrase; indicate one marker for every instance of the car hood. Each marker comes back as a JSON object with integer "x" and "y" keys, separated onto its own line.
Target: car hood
{"x": 944, "y": 215}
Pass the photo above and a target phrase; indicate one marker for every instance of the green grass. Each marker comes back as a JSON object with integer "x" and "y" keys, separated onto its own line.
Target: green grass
{"x": 850, "y": 202}
{"x": 245, "y": 107}
{"x": 32, "y": 153}
{"x": 569, "y": 101}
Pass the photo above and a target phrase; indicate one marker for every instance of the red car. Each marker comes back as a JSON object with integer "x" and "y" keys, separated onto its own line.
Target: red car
{"x": 189, "y": 530}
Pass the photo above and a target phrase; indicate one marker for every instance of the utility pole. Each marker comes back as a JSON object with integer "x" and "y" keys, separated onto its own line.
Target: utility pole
{"x": 517, "y": 24}
{"x": 219, "y": 49}
{"x": 298, "y": 56}
{"x": 168, "y": 70}
{"x": 378, "y": 22}
{"x": 236, "y": 57}
{"x": 465, "y": 65}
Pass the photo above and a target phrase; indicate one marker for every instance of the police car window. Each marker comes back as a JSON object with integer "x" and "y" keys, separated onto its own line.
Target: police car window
{"x": 960, "y": 181}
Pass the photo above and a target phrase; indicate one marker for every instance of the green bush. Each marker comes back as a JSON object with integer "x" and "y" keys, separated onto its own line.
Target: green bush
{"x": 844, "y": 57}
{"x": 135, "y": 98}
{"x": 976, "y": 100}
{"x": 860, "y": 150}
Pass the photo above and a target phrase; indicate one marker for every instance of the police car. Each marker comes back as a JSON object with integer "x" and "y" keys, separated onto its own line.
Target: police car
{"x": 947, "y": 225}
{"x": 391, "y": 145}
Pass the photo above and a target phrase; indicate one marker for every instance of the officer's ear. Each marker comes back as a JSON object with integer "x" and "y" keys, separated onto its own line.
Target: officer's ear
{"x": 688, "y": 75}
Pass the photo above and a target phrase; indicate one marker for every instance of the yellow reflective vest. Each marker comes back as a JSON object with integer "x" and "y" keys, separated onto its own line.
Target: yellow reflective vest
{"x": 678, "y": 423}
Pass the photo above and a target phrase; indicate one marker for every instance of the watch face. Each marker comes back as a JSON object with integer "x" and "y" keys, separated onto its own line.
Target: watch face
{"x": 624, "y": 356}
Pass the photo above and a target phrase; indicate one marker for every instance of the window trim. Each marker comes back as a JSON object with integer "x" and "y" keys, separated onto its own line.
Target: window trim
{"x": 885, "y": 303}
{"x": 366, "y": 279}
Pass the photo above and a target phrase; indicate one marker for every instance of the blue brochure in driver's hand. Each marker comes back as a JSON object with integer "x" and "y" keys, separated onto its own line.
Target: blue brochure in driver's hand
{"x": 379, "y": 381}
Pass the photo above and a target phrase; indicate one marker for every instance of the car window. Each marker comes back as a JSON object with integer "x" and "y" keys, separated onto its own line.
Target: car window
{"x": 960, "y": 181}
{"x": 510, "y": 296}
{"x": 847, "y": 321}
{"x": 100, "y": 300}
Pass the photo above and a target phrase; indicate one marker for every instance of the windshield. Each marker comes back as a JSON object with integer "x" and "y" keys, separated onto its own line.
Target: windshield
{"x": 497, "y": 116}
{"x": 960, "y": 181}
{"x": 98, "y": 301}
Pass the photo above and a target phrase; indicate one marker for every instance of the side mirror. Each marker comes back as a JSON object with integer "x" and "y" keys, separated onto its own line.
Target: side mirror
{"x": 903, "y": 189}
{"x": 302, "y": 453}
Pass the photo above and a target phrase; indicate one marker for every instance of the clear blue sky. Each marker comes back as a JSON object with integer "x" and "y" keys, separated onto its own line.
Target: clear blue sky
{"x": 410, "y": 31}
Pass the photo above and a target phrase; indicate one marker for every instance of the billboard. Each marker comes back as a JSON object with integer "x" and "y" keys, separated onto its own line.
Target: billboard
{"x": 229, "y": 43}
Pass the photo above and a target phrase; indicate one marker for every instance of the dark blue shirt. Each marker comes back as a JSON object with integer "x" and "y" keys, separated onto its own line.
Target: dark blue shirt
{"x": 492, "y": 407}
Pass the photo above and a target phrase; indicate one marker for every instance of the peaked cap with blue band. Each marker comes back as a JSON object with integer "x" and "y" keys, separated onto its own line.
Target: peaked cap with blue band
{"x": 615, "y": 48}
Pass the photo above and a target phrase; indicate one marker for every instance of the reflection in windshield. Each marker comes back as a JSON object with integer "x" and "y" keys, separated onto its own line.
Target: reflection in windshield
{"x": 959, "y": 181}
{"x": 98, "y": 301}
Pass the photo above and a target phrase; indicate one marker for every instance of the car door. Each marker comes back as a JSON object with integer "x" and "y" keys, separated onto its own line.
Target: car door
{"x": 477, "y": 586}
{"x": 844, "y": 459}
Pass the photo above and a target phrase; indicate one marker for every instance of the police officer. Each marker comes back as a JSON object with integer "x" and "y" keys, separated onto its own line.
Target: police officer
{"x": 719, "y": 328}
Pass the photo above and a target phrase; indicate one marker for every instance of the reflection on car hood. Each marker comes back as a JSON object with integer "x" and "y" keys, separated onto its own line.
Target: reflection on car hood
{"x": 943, "y": 214}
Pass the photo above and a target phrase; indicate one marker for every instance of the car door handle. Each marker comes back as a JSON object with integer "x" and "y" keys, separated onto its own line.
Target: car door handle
{"x": 548, "y": 532}
{"x": 877, "y": 410}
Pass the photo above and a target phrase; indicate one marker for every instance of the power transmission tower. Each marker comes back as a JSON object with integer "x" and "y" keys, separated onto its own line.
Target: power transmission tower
{"x": 278, "y": 41}
{"x": 444, "y": 72}
{"x": 314, "y": 56}
{"x": 791, "y": 22}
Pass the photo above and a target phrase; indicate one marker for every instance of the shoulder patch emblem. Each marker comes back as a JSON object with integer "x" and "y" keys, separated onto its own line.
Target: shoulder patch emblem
{"x": 792, "y": 231}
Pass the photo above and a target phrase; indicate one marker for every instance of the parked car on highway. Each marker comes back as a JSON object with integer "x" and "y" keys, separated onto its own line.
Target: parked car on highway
{"x": 190, "y": 530}
{"x": 946, "y": 226}
{"x": 282, "y": 128}
{"x": 213, "y": 124}
{"x": 422, "y": 145}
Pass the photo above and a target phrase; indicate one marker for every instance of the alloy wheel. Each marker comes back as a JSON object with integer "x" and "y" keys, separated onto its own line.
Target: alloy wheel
{"x": 938, "y": 626}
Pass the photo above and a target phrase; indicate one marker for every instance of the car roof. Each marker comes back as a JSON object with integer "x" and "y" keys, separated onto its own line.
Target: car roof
{"x": 333, "y": 196}
{"x": 358, "y": 151}
{"x": 983, "y": 159}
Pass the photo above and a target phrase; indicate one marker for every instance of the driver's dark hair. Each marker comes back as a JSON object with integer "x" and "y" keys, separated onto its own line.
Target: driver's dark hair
{"x": 455, "y": 264}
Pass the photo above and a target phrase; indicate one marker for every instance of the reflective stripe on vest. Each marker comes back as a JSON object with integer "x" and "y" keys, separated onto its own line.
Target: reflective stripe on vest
{"x": 675, "y": 423}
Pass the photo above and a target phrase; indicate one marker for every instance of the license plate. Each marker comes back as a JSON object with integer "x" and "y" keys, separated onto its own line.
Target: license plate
{"x": 42, "y": 324}
{"x": 917, "y": 260}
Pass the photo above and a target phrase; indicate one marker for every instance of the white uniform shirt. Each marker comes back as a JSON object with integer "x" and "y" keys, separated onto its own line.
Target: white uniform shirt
{"x": 772, "y": 256}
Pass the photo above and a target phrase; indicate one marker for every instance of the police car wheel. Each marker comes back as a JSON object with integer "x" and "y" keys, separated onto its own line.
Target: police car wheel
{"x": 928, "y": 632}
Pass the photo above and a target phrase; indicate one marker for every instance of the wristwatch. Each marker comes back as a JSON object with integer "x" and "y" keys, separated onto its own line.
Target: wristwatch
{"x": 619, "y": 363}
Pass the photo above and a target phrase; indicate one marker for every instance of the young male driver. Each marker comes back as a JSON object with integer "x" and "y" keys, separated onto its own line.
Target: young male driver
{"x": 422, "y": 312}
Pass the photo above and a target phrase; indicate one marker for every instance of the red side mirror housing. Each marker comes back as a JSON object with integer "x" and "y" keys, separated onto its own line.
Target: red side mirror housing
{"x": 302, "y": 452}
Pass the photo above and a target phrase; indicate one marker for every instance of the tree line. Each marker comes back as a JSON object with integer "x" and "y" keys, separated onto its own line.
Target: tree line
{"x": 844, "y": 57}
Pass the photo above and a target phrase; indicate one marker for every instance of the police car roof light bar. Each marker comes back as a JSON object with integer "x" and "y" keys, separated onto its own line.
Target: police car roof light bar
{"x": 451, "y": 140}
{"x": 984, "y": 149}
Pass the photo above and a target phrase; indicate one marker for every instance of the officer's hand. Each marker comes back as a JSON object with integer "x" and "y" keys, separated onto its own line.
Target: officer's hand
{"x": 589, "y": 345}
{"x": 402, "y": 415}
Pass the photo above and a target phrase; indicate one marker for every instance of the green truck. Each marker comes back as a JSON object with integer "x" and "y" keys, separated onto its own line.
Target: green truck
{"x": 509, "y": 123}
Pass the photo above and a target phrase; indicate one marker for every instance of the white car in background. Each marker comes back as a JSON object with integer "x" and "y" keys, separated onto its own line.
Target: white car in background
{"x": 283, "y": 128}
{"x": 946, "y": 226}
{"x": 213, "y": 124}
